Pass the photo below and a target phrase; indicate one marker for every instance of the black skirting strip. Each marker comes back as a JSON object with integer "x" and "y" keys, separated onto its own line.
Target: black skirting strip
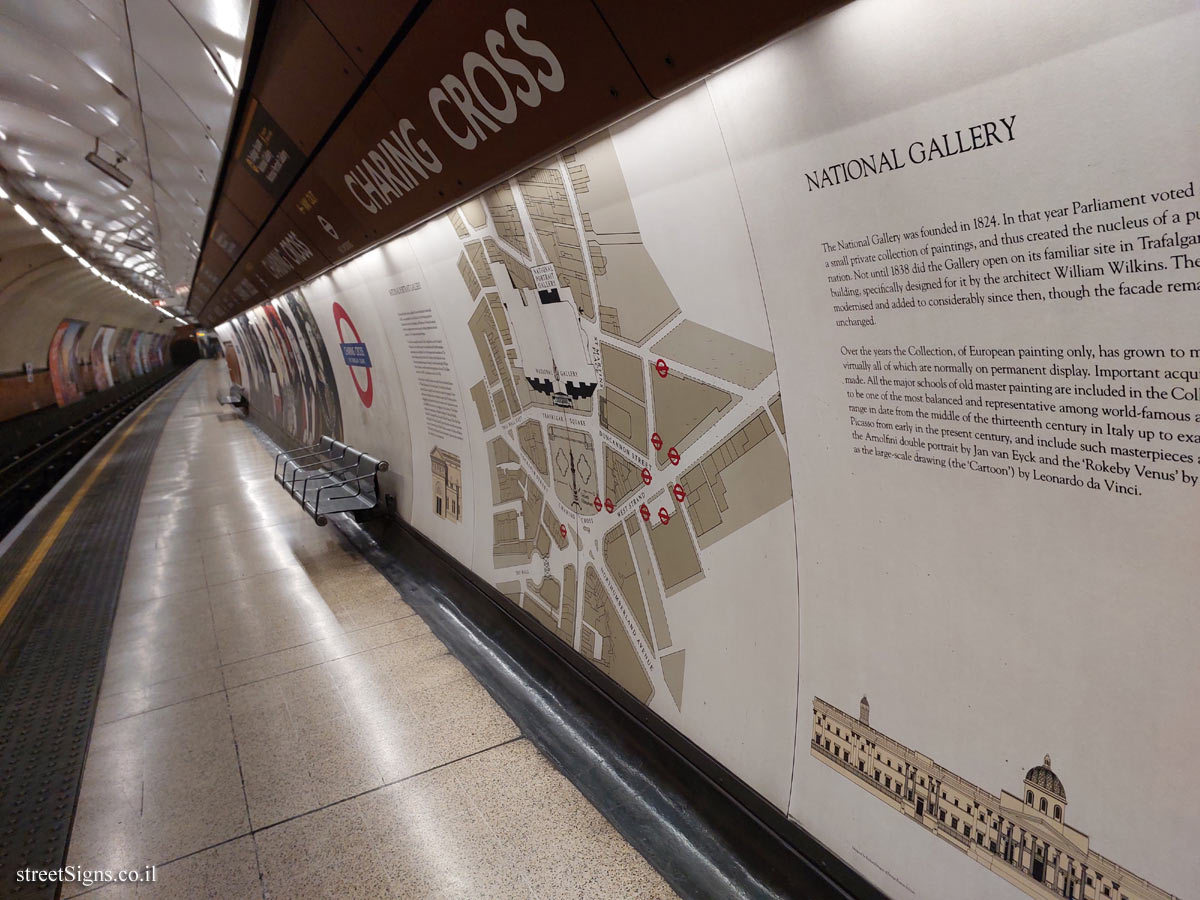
{"x": 54, "y": 642}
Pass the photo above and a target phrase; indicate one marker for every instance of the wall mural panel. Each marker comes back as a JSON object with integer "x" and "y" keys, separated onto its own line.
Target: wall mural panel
{"x": 817, "y": 381}
{"x": 64, "y": 362}
{"x": 279, "y": 346}
{"x": 101, "y": 349}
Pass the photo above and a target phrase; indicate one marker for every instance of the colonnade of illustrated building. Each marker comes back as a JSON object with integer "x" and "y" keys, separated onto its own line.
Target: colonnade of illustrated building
{"x": 1022, "y": 839}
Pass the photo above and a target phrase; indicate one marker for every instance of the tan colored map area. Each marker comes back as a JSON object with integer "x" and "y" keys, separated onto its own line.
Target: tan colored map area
{"x": 676, "y": 554}
{"x": 479, "y": 263}
{"x": 507, "y": 477}
{"x": 479, "y": 393}
{"x": 743, "y": 478}
{"x": 457, "y": 222}
{"x": 503, "y": 207}
{"x": 550, "y": 210}
{"x": 468, "y": 276}
{"x": 634, "y": 300}
{"x": 605, "y": 642}
{"x": 654, "y": 600}
{"x": 533, "y": 442}
{"x": 573, "y": 468}
{"x": 554, "y": 526}
{"x": 776, "y": 407}
{"x": 508, "y": 547}
{"x": 563, "y": 619}
{"x": 492, "y": 342}
{"x": 623, "y": 399}
{"x": 623, "y": 371}
{"x": 621, "y": 477}
{"x": 672, "y": 670}
{"x": 473, "y": 212}
{"x": 619, "y": 559}
{"x": 550, "y": 592}
{"x": 716, "y": 354}
{"x": 684, "y": 409}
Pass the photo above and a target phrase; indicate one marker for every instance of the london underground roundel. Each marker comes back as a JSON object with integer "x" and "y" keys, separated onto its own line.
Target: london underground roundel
{"x": 354, "y": 352}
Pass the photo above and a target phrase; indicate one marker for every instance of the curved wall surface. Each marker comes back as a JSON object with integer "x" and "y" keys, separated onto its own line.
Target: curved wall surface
{"x": 734, "y": 398}
{"x": 53, "y": 314}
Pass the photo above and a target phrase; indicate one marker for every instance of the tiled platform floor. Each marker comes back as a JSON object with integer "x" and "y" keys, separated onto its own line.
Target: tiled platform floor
{"x": 276, "y": 722}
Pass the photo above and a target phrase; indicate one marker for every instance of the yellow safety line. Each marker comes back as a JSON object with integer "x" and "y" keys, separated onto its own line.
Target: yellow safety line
{"x": 14, "y": 591}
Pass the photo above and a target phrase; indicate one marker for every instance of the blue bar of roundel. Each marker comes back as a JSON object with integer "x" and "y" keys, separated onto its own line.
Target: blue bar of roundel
{"x": 356, "y": 355}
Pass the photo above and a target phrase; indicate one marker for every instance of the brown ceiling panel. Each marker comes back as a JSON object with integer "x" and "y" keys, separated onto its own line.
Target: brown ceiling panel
{"x": 267, "y": 152}
{"x": 303, "y": 78}
{"x": 323, "y": 219}
{"x": 478, "y": 89}
{"x": 231, "y": 231}
{"x": 243, "y": 191}
{"x": 281, "y": 257}
{"x": 362, "y": 27}
{"x": 672, "y": 43}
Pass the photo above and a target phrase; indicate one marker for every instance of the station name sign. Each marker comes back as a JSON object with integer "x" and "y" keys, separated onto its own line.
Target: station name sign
{"x": 516, "y": 71}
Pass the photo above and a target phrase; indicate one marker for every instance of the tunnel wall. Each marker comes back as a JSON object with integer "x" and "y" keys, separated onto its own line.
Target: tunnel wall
{"x": 643, "y": 389}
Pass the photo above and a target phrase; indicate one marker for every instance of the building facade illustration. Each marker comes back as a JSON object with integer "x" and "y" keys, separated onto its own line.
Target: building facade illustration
{"x": 447, "y": 484}
{"x": 1023, "y": 839}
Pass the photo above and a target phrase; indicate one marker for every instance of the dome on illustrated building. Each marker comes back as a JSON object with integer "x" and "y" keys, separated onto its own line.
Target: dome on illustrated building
{"x": 1042, "y": 777}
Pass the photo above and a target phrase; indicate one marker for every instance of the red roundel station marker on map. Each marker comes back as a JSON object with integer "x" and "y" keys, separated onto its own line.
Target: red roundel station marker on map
{"x": 679, "y": 493}
{"x": 598, "y": 503}
{"x": 673, "y": 456}
{"x": 646, "y": 476}
{"x": 656, "y": 440}
{"x": 562, "y": 529}
{"x": 645, "y": 511}
{"x": 663, "y": 515}
{"x": 608, "y": 504}
{"x": 661, "y": 368}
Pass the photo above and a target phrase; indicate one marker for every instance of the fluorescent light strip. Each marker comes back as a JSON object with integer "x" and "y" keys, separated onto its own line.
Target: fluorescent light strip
{"x": 24, "y": 214}
{"x": 71, "y": 252}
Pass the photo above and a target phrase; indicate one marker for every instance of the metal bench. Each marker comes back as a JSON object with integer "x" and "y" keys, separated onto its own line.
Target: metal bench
{"x": 236, "y": 397}
{"x": 330, "y": 477}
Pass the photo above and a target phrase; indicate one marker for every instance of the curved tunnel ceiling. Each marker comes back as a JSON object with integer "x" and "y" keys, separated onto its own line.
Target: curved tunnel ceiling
{"x": 149, "y": 83}
{"x": 40, "y": 285}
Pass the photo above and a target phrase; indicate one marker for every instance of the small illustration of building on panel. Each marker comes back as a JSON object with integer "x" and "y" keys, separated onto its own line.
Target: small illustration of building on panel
{"x": 1023, "y": 839}
{"x": 447, "y": 484}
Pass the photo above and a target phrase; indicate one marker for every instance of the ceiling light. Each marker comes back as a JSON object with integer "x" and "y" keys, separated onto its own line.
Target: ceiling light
{"x": 125, "y": 202}
{"x": 3, "y": 136}
{"x": 109, "y": 169}
{"x": 51, "y": 236}
{"x": 3, "y": 193}
{"x": 25, "y": 215}
{"x": 70, "y": 251}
